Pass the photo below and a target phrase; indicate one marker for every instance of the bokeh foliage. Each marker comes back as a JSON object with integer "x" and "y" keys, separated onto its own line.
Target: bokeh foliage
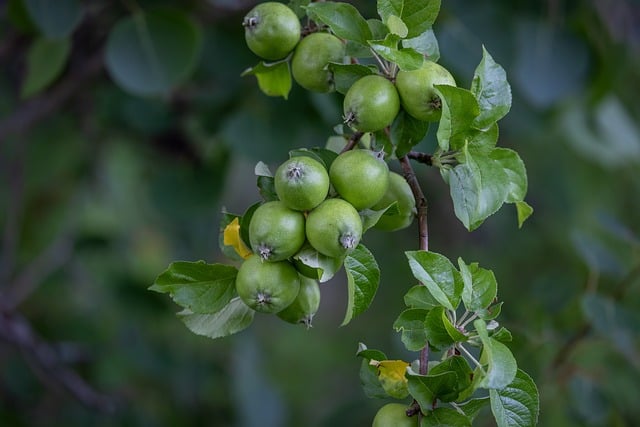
{"x": 105, "y": 181}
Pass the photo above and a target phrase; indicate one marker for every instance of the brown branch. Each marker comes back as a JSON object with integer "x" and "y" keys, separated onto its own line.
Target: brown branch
{"x": 423, "y": 235}
{"x": 420, "y": 157}
{"x": 47, "y": 364}
{"x": 352, "y": 141}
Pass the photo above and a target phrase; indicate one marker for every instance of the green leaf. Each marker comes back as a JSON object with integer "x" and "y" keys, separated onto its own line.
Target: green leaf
{"x": 406, "y": 132}
{"x": 437, "y": 273}
{"x": 298, "y": 7}
{"x": 55, "y": 19}
{"x": 267, "y": 188}
{"x": 436, "y": 330}
{"x": 396, "y": 26}
{"x": 486, "y": 138}
{"x": 425, "y": 389}
{"x": 151, "y": 53}
{"x": 370, "y": 353}
{"x": 378, "y": 29}
{"x": 345, "y": 75}
{"x": 425, "y": 44}
{"x": 502, "y": 335}
{"x": 418, "y": 15}
{"x": 344, "y": 20}
{"x": 245, "y": 220}
{"x": 524, "y": 211}
{"x": 234, "y": 317}
{"x": 199, "y": 287}
{"x": 262, "y": 169}
{"x": 406, "y": 58}
{"x": 363, "y": 276}
{"x": 370, "y": 217}
{"x": 46, "y": 60}
{"x": 517, "y": 404}
{"x": 369, "y": 373}
{"x": 472, "y": 407}
{"x": 322, "y": 155}
{"x": 445, "y": 417}
{"x": 420, "y": 297}
{"x": 411, "y": 324}
{"x": 492, "y": 91}
{"x": 501, "y": 365}
{"x": 274, "y": 79}
{"x": 325, "y": 266}
{"x": 480, "y": 286}
{"x": 490, "y": 313}
{"x": 459, "y": 366}
{"x": 478, "y": 188}
{"x": 459, "y": 110}
{"x": 516, "y": 173}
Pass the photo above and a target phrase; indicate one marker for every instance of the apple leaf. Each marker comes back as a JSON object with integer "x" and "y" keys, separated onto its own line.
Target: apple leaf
{"x": 274, "y": 79}
{"x": 480, "y": 286}
{"x": 199, "y": 287}
{"x": 232, "y": 318}
{"x": 517, "y": 404}
{"x": 459, "y": 110}
{"x": 343, "y": 18}
{"x": 501, "y": 365}
{"x": 437, "y": 273}
{"x": 445, "y": 417}
{"x": 491, "y": 89}
{"x": 363, "y": 277}
{"x": 411, "y": 325}
{"x": 417, "y": 15}
{"x": 46, "y": 60}
{"x": 345, "y": 75}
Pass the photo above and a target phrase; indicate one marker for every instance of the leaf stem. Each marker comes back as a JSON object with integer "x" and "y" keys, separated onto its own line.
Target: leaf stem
{"x": 382, "y": 64}
{"x": 469, "y": 320}
{"x": 470, "y": 356}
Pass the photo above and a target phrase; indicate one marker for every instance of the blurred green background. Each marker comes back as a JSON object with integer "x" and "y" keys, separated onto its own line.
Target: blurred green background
{"x": 101, "y": 188}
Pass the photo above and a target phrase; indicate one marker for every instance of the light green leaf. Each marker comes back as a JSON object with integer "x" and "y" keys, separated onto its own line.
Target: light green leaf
{"x": 234, "y": 317}
{"x": 411, "y": 324}
{"x": 492, "y": 91}
{"x": 262, "y": 169}
{"x": 197, "y": 286}
{"x": 46, "y": 60}
{"x": 502, "y": 335}
{"x": 437, "y": 273}
{"x": 151, "y": 53}
{"x": 406, "y": 132}
{"x": 55, "y": 19}
{"x": 396, "y": 26}
{"x": 418, "y": 15}
{"x": 459, "y": 110}
{"x": 472, "y": 407}
{"x": 445, "y": 417}
{"x": 517, "y": 404}
{"x": 370, "y": 217}
{"x": 516, "y": 173}
{"x": 343, "y": 18}
{"x": 501, "y": 365}
{"x": 425, "y": 44}
{"x": 406, "y": 58}
{"x": 274, "y": 79}
{"x": 345, "y": 75}
{"x": 363, "y": 277}
{"x": 325, "y": 267}
{"x": 478, "y": 187}
{"x": 480, "y": 286}
{"x": 524, "y": 211}
{"x": 420, "y": 297}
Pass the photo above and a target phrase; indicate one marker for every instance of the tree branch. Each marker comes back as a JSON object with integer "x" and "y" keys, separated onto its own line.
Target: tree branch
{"x": 352, "y": 141}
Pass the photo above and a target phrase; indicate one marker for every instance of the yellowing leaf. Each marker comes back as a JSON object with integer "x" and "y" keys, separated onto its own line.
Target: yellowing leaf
{"x": 231, "y": 237}
{"x": 391, "y": 374}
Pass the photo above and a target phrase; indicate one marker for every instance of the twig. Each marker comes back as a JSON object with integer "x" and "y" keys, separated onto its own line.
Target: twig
{"x": 421, "y": 157}
{"x": 352, "y": 141}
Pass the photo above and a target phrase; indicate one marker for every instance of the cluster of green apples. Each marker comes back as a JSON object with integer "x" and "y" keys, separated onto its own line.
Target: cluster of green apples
{"x": 273, "y": 31}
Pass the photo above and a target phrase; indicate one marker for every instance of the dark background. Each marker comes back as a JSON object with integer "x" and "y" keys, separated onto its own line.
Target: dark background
{"x": 101, "y": 189}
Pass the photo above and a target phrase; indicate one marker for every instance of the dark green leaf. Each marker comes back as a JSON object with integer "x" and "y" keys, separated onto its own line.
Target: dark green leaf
{"x": 517, "y": 404}
{"x": 267, "y": 189}
{"x": 149, "y": 54}
{"x": 406, "y": 58}
{"x": 370, "y": 382}
{"x": 345, "y": 75}
{"x": 363, "y": 276}
{"x": 274, "y": 79}
{"x": 298, "y": 7}
{"x": 245, "y": 220}
{"x": 437, "y": 273}
{"x": 322, "y": 155}
{"x": 343, "y": 19}
{"x": 459, "y": 110}
{"x": 492, "y": 91}
{"x": 406, "y": 132}
{"x": 480, "y": 286}
{"x": 425, "y": 389}
{"x": 445, "y": 417}
{"x": 55, "y": 19}
{"x": 478, "y": 186}
{"x": 46, "y": 60}
{"x": 425, "y": 44}
{"x": 411, "y": 324}
{"x": 369, "y": 353}
{"x": 378, "y": 30}
{"x": 459, "y": 366}
{"x": 516, "y": 173}
{"x": 420, "y": 297}
{"x": 437, "y": 333}
{"x": 472, "y": 407}
{"x": 199, "y": 287}
{"x": 234, "y": 317}
{"x": 501, "y": 365}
